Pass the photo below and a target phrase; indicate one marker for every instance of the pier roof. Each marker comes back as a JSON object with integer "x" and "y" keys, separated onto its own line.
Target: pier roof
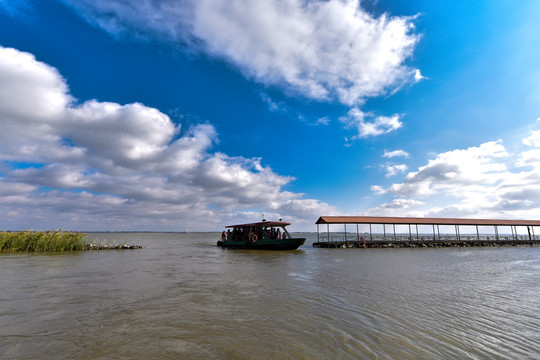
{"x": 421, "y": 221}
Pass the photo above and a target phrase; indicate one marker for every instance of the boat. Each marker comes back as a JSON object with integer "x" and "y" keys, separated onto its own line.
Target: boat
{"x": 264, "y": 235}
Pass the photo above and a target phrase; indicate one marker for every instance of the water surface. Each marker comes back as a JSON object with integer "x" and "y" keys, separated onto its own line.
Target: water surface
{"x": 181, "y": 297}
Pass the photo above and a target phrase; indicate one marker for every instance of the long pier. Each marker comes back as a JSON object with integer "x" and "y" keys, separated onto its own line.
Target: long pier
{"x": 412, "y": 232}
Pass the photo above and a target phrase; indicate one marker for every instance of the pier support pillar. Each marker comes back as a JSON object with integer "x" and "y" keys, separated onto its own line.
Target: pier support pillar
{"x": 328, "y": 232}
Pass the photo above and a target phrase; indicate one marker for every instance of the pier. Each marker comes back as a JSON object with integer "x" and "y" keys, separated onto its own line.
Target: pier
{"x": 399, "y": 232}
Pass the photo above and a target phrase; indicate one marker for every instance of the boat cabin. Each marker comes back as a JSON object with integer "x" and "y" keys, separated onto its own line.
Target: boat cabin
{"x": 254, "y": 232}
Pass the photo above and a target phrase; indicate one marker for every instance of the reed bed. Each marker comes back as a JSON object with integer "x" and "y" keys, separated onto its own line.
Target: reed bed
{"x": 42, "y": 241}
{"x": 53, "y": 241}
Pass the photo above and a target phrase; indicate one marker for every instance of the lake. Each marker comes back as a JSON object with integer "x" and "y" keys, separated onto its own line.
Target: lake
{"x": 182, "y": 297}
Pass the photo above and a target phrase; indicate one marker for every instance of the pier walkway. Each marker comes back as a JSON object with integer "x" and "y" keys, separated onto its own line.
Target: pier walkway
{"x": 392, "y": 232}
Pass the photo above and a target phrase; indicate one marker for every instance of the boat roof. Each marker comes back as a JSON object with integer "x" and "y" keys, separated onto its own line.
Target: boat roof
{"x": 261, "y": 223}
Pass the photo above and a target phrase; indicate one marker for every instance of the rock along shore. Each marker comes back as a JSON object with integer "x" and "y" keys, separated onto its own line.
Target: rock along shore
{"x": 112, "y": 247}
{"x": 425, "y": 244}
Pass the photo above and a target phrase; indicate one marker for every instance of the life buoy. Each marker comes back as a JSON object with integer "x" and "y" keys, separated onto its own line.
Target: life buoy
{"x": 254, "y": 238}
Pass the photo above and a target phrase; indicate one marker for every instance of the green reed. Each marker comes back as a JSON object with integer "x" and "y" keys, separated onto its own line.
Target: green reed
{"x": 42, "y": 241}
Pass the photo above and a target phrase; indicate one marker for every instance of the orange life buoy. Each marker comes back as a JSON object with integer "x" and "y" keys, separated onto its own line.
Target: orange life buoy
{"x": 254, "y": 238}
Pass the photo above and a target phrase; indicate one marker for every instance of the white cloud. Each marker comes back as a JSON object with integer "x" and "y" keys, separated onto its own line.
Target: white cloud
{"x": 533, "y": 139}
{"x": 106, "y": 166}
{"x": 377, "y": 189}
{"x": 529, "y": 157}
{"x": 418, "y": 76}
{"x": 323, "y": 121}
{"x": 392, "y": 170}
{"x": 480, "y": 181}
{"x": 272, "y": 105}
{"x": 400, "y": 204}
{"x": 380, "y": 125}
{"x": 395, "y": 153}
{"x": 327, "y": 50}
{"x": 473, "y": 166}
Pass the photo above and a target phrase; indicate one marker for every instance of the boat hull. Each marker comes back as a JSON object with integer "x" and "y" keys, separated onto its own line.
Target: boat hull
{"x": 284, "y": 244}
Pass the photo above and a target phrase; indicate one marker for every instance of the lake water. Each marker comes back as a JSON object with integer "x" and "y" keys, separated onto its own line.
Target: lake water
{"x": 181, "y": 297}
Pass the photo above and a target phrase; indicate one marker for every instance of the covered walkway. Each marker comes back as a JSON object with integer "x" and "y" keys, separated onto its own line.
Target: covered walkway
{"x": 423, "y": 232}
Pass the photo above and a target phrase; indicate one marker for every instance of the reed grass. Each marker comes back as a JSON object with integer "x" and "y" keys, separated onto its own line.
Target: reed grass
{"x": 42, "y": 241}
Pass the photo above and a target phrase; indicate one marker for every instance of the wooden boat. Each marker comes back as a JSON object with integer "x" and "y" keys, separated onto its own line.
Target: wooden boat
{"x": 264, "y": 235}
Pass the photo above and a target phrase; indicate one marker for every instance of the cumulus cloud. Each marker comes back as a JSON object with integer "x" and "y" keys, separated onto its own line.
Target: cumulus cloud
{"x": 378, "y": 189}
{"x": 480, "y": 165}
{"x": 107, "y": 166}
{"x": 392, "y": 170}
{"x": 395, "y": 153}
{"x": 369, "y": 125}
{"x": 326, "y": 50}
{"x": 418, "y": 75}
{"x": 533, "y": 139}
{"x": 480, "y": 181}
{"x": 400, "y": 204}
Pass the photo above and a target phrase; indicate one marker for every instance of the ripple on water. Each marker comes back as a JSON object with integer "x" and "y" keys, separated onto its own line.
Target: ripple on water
{"x": 182, "y": 297}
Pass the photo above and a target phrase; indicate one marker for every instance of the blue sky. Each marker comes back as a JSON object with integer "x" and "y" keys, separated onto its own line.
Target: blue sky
{"x": 168, "y": 115}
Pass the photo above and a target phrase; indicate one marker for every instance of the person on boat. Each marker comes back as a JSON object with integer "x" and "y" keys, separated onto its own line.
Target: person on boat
{"x": 278, "y": 234}
{"x": 223, "y": 236}
{"x": 229, "y": 234}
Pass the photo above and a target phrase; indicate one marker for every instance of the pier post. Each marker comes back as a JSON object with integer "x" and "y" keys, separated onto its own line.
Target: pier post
{"x": 328, "y": 232}
{"x": 370, "y": 233}
{"x": 394, "y": 225}
{"x": 384, "y": 231}
{"x": 477, "y": 233}
{"x": 318, "y": 233}
{"x": 417, "y": 237}
{"x": 434, "y": 238}
{"x": 496, "y": 233}
{"x": 357, "y": 233}
{"x": 410, "y": 234}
